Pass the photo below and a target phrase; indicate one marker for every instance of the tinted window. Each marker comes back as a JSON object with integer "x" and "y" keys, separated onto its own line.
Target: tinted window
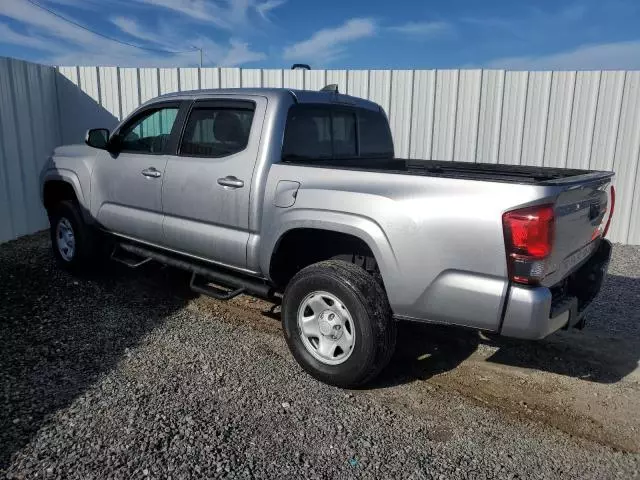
{"x": 150, "y": 132}
{"x": 308, "y": 133}
{"x": 318, "y": 131}
{"x": 216, "y": 131}
{"x": 344, "y": 134}
{"x": 375, "y": 137}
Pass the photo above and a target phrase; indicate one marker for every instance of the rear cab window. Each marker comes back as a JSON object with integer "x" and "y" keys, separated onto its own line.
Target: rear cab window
{"x": 316, "y": 132}
{"x": 375, "y": 136}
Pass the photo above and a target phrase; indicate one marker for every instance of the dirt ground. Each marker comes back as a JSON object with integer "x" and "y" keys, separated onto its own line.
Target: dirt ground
{"x": 585, "y": 383}
{"x": 124, "y": 371}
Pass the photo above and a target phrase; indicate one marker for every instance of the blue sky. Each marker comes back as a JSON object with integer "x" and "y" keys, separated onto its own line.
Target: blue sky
{"x": 515, "y": 34}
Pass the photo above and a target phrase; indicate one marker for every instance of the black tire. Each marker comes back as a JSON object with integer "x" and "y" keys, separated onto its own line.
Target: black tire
{"x": 369, "y": 308}
{"x": 86, "y": 241}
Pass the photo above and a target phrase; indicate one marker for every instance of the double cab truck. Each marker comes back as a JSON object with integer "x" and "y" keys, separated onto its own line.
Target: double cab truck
{"x": 297, "y": 196}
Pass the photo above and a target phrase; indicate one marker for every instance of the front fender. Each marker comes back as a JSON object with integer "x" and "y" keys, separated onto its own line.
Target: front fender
{"x": 70, "y": 177}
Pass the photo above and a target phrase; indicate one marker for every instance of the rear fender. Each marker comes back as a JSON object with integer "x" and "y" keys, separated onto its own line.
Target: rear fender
{"x": 361, "y": 227}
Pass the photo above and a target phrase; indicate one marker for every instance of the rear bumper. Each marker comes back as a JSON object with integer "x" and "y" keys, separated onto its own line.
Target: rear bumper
{"x": 535, "y": 312}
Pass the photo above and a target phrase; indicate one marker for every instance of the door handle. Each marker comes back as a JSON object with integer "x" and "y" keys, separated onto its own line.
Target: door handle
{"x": 231, "y": 181}
{"x": 151, "y": 172}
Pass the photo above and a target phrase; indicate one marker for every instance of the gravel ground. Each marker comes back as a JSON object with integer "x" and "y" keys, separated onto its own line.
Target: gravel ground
{"x": 126, "y": 374}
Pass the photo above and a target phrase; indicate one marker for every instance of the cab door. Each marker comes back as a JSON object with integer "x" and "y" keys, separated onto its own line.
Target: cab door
{"x": 207, "y": 185}
{"x": 126, "y": 187}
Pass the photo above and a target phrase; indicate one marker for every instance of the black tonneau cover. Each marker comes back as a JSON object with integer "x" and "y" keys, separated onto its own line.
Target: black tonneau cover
{"x": 464, "y": 170}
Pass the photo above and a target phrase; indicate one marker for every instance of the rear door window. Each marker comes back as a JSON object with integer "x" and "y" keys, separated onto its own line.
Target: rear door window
{"x": 217, "y": 129}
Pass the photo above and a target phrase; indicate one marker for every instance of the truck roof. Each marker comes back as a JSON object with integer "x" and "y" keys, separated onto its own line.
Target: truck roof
{"x": 301, "y": 96}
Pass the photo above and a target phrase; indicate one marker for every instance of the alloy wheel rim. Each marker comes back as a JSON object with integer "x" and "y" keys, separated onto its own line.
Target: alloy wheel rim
{"x": 326, "y": 328}
{"x": 65, "y": 239}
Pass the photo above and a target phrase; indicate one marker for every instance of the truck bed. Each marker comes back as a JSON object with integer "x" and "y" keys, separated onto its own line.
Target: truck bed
{"x": 464, "y": 170}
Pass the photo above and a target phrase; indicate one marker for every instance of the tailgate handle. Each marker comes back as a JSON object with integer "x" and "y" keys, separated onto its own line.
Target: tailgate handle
{"x": 594, "y": 211}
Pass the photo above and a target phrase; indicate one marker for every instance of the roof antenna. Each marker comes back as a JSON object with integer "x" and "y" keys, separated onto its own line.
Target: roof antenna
{"x": 333, "y": 87}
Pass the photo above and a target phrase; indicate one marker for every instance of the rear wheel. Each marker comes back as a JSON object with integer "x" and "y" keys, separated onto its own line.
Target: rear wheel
{"x": 338, "y": 323}
{"x": 74, "y": 243}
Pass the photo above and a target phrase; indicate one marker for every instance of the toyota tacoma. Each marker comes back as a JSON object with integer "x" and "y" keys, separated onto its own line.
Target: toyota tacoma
{"x": 296, "y": 196}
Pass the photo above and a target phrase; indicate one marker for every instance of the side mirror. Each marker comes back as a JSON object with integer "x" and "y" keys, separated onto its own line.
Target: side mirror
{"x": 97, "y": 138}
{"x": 115, "y": 144}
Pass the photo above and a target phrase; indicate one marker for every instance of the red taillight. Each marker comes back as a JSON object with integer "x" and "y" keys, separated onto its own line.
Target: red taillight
{"x": 601, "y": 231}
{"x": 611, "y": 208}
{"x": 528, "y": 234}
{"x": 530, "y": 231}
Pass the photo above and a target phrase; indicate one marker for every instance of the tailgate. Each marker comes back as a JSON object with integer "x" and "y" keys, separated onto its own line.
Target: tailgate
{"x": 579, "y": 210}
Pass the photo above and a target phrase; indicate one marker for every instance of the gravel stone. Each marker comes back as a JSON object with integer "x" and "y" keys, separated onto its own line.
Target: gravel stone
{"x": 127, "y": 374}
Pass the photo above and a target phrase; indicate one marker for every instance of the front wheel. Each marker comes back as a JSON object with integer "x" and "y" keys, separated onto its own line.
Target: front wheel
{"x": 338, "y": 323}
{"x": 73, "y": 242}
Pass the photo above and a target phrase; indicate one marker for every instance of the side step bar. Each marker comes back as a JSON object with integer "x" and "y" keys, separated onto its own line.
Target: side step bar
{"x": 236, "y": 283}
{"x": 206, "y": 288}
{"x": 129, "y": 259}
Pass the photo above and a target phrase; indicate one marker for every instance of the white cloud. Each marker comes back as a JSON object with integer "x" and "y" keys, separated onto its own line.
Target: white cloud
{"x": 196, "y": 9}
{"x": 240, "y": 53}
{"x": 67, "y": 44}
{"x": 605, "y": 56}
{"x": 121, "y": 59}
{"x": 424, "y": 29}
{"x": 163, "y": 36}
{"x": 230, "y": 17}
{"x": 46, "y": 24}
{"x": 98, "y": 5}
{"x": 266, "y": 7}
{"x": 10, "y": 36}
{"x": 329, "y": 43}
{"x": 131, "y": 27}
{"x": 234, "y": 53}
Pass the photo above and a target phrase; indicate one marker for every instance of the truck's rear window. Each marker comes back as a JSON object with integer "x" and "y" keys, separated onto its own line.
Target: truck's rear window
{"x": 316, "y": 132}
{"x": 375, "y": 137}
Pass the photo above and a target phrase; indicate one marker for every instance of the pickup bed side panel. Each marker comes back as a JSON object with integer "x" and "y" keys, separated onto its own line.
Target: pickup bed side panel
{"x": 438, "y": 242}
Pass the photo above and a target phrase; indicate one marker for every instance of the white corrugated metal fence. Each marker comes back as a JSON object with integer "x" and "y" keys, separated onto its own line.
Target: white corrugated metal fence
{"x": 29, "y": 130}
{"x": 565, "y": 119}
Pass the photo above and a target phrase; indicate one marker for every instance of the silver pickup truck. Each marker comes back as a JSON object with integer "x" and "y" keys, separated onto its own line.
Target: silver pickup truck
{"x": 296, "y": 196}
